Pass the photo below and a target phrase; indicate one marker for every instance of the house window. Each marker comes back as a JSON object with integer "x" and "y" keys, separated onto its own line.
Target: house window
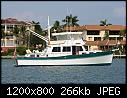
{"x": 66, "y": 49}
{"x": 93, "y": 32}
{"x": 10, "y": 27}
{"x": 10, "y": 43}
{"x": 2, "y": 43}
{"x": 97, "y": 38}
{"x": 120, "y": 38}
{"x": 56, "y": 49}
{"x": 114, "y": 32}
{"x": 79, "y": 48}
{"x": 112, "y": 38}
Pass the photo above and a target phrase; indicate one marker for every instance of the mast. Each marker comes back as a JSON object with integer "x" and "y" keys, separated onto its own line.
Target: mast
{"x": 48, "y": 31}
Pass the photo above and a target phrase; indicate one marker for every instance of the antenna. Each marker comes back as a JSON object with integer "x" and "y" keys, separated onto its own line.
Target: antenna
{"x": 48, "y": 30}
{"x": 70, "y": 20}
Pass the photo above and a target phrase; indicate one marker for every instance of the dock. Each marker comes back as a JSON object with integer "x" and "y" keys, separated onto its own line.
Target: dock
{"x": 6, "y": 57}
{"x": 119, "y": 56}
{"x": 9, "y": 57}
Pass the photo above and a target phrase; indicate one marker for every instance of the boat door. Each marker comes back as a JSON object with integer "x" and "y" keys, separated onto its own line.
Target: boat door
{"x": 73, "y": 50}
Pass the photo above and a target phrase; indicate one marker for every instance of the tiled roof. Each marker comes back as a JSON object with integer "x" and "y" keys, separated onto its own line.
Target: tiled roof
{"x": 105, "y": 42}
{"x": 12, "y": 21}
{"x": 96, "y": 27}
{"x": 115, "y": 27}
{"x": 75, "y": 28}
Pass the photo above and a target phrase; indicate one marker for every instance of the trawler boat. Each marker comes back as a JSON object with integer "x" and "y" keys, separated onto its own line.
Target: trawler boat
{"x": 68, "y": 49}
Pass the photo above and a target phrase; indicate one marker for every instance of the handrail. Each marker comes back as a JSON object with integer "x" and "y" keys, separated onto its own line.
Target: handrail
{"x": 39, "y": 36}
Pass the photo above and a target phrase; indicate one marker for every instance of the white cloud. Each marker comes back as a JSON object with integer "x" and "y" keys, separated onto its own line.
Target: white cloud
{"x": 119, "y": 12}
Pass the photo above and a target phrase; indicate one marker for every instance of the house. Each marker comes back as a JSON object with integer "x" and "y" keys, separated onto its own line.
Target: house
{"x": 8, "y": 25}
{"x": 94, "y": 36}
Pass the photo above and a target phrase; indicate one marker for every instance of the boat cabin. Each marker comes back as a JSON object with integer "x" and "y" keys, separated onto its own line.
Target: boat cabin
{"x": 67, "y": 43}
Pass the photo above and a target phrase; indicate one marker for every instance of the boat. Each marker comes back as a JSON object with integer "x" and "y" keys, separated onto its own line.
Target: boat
{"x": 68, "y": 50}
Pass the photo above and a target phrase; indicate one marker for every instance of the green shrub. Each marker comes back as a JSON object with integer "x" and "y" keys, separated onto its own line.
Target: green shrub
{"x": 4, "y": 53}
{"x": 10, "y": 51}
{"x": 21, "y": 50}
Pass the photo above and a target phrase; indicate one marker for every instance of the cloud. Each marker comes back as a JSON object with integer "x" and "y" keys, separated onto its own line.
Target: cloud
{"x": 119, "y": 12}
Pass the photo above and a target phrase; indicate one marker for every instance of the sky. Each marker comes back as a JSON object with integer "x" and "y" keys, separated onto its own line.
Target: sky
{"x": 88, "y": 12}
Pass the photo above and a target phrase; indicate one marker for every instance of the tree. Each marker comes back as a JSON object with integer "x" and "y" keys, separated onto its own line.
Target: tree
{"x": 35, "y": 40}
{"x": 104, "y": 23}
{"x": 16, "y": 34}
{"x": 20, "y": 34}
{"x": 122, "y": 33}
{"x": 23, "y": 35}
{"x": 70, "y": 21}
{"x": 106, "y": 35}
{"x": 56, "y": 27}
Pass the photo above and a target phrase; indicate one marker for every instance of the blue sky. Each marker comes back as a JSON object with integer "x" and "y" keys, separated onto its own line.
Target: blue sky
{"x": 88, "y": 12}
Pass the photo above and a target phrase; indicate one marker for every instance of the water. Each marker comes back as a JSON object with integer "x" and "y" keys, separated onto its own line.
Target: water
{"x": 108, "y": 74}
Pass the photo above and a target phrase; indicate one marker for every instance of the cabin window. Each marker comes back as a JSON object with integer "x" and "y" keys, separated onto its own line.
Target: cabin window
{"x": 66, "y": 49}
{"x": 79, "y": 48}
{"x": 56, "y": 49}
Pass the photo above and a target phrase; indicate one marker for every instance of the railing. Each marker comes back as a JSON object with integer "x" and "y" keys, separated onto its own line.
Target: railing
{"x": 38, "y": 35}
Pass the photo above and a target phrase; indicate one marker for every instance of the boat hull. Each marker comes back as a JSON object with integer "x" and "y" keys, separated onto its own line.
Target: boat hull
{"x": 85, "y": 59}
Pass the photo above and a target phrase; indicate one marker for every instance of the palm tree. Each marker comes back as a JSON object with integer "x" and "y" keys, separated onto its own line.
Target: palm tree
{"x": 71, "y": 21}
{"x": 104, "y": 23}
{"x": 56, "y": 27}
{"x": 106, "y": 35}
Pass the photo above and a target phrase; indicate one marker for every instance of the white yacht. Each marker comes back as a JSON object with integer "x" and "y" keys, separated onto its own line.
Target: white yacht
{"x": 68, "y": 49}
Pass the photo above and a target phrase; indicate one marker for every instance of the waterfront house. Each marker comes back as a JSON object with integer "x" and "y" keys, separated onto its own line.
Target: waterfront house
{"x": 94, "y": 36}
{"x": 8, "y": 25}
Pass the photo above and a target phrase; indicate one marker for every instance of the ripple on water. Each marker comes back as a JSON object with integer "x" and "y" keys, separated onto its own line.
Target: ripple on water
{"x": 110, "y": 74}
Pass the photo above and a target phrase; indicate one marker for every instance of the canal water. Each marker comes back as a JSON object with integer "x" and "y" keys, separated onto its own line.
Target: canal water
{"x": 107, "y": 74}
